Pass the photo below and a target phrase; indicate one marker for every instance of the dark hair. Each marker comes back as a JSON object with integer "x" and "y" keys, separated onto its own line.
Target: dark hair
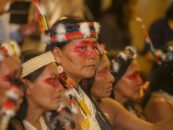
{"x": 120, "y": 62}
{"x": 52, "y": 31}
{"x": 169, "y": 13}
{"x": 161, "y": 79}
{"x": 15, "y": 124}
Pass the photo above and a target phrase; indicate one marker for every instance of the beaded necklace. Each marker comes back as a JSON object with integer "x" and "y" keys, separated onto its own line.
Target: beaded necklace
{"x": 29, "y": 126}
{"x": 87, "y": 108}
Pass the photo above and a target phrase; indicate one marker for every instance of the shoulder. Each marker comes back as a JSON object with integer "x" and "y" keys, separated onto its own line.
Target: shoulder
{"x": 111, "y": 104}
{"x": 158, "y": 102}
{"x": 158, "y": 108}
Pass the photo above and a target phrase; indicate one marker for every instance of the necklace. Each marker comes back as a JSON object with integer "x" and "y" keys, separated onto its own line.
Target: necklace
{"x": 29, "y": 126}
{"x": 88, "y": 111}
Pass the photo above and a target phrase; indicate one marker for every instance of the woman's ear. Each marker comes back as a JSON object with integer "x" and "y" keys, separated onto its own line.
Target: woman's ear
{"x": 29, "y": 86}
{"x": 57, "y": 53}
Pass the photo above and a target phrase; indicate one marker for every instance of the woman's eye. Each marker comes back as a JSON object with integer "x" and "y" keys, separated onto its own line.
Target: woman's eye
{"x": 133, "y": 76}
{"x": 103, "y": 72}
{"x": 83, "y": 47}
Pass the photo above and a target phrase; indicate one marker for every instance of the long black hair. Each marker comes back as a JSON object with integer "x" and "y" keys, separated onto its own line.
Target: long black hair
{"x": 161, "y": 79}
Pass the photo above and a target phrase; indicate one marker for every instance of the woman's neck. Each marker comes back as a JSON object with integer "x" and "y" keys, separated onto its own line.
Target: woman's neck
{"x": 34, "y": 113}
{"x": 120, "y": 98}
{"x": 75, "y": 80}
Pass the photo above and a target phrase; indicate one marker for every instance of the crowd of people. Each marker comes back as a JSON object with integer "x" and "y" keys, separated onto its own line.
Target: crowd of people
{"x": 76, "y": 84}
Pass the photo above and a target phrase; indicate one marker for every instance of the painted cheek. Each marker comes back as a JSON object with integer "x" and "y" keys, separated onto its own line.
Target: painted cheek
{"x": 93, "y": 53}
{"x": 53, "y": 82}
{"x": 93, "y": 49}
{"x": 136, "y": 78}
{"x": 103, "y": 73}
{"x": 87, "y": 49}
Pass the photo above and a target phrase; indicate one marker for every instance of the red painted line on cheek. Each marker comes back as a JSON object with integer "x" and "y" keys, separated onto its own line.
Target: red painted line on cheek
{"x": 53, "y": 82}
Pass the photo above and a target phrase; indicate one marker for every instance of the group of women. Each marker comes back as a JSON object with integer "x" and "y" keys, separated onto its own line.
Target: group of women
{"x": 68, "y": 87}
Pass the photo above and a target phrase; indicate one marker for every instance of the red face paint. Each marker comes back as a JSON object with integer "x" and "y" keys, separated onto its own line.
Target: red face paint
{"x": 53, "y": 82}
{"x": 104, "y": 72}
{"x": 135, "y": 77}
{"x": 87, "y": 49}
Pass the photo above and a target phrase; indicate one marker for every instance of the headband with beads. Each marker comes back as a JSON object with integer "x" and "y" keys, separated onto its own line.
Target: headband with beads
{"x": 67, "y": 32}
{"x": 121, "y": 61}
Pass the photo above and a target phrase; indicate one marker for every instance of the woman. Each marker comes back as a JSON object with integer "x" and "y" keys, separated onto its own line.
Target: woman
{"x": 43, "y": 93}
{"x": 127, "y": 89}
{"x": 74, "y": 46}
{"x": 10, "y": 86}
{"x": 158, "y": 101}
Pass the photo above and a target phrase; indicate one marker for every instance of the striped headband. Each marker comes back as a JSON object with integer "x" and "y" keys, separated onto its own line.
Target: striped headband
{"x": 66, "y": 32}
{"x": 36, "y": 63}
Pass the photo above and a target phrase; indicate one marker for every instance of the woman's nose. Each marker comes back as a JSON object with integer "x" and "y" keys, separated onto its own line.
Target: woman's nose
{"x": 139, "y": 80}
{"x": 93, "y": 53}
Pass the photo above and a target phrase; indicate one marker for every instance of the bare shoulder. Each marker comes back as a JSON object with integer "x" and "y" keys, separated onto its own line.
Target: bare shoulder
{"x": 158, "y": 102}
{"x": 112, "y": 108}
{"x": 111, "y": 102}
{"x": 158, "y": 108}
{"x": 112, "y": 105}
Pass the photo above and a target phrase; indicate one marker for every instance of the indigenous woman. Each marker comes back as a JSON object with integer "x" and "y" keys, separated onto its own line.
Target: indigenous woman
{"x": 127, "y": 88}
{"x": 43, "y": 92}
{"x": 158, "y": 101}
{"x": 10, "y": 92}
{"x": 74, "y": 45}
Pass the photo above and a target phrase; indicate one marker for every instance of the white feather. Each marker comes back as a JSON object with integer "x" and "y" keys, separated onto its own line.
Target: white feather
{"x": 123, "y": 55}
{"x": 84, "y": 29}
{"x": 97, "y": 27}
{"x": 61, "y": 33}
{"x": 115, "y": 66}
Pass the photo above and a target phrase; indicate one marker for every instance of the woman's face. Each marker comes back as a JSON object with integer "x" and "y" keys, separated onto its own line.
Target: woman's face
{"x": 79, "y": 58}
{"x": 129, "y": 86}
{"x": 102, "y": 86}
{"x": 46, "y": 91}
{"x": 8, "y": 69}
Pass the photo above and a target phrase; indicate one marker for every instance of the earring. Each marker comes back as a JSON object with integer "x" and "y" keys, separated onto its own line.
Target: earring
{"x": 60, "y": 69}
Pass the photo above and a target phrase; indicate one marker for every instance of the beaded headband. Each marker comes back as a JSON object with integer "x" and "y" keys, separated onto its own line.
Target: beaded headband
{"x": 121, "y": 61}
{"x": 7, "y": 49}
{"x": 37, "y": 62}
{"x": 67, "y": 32}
